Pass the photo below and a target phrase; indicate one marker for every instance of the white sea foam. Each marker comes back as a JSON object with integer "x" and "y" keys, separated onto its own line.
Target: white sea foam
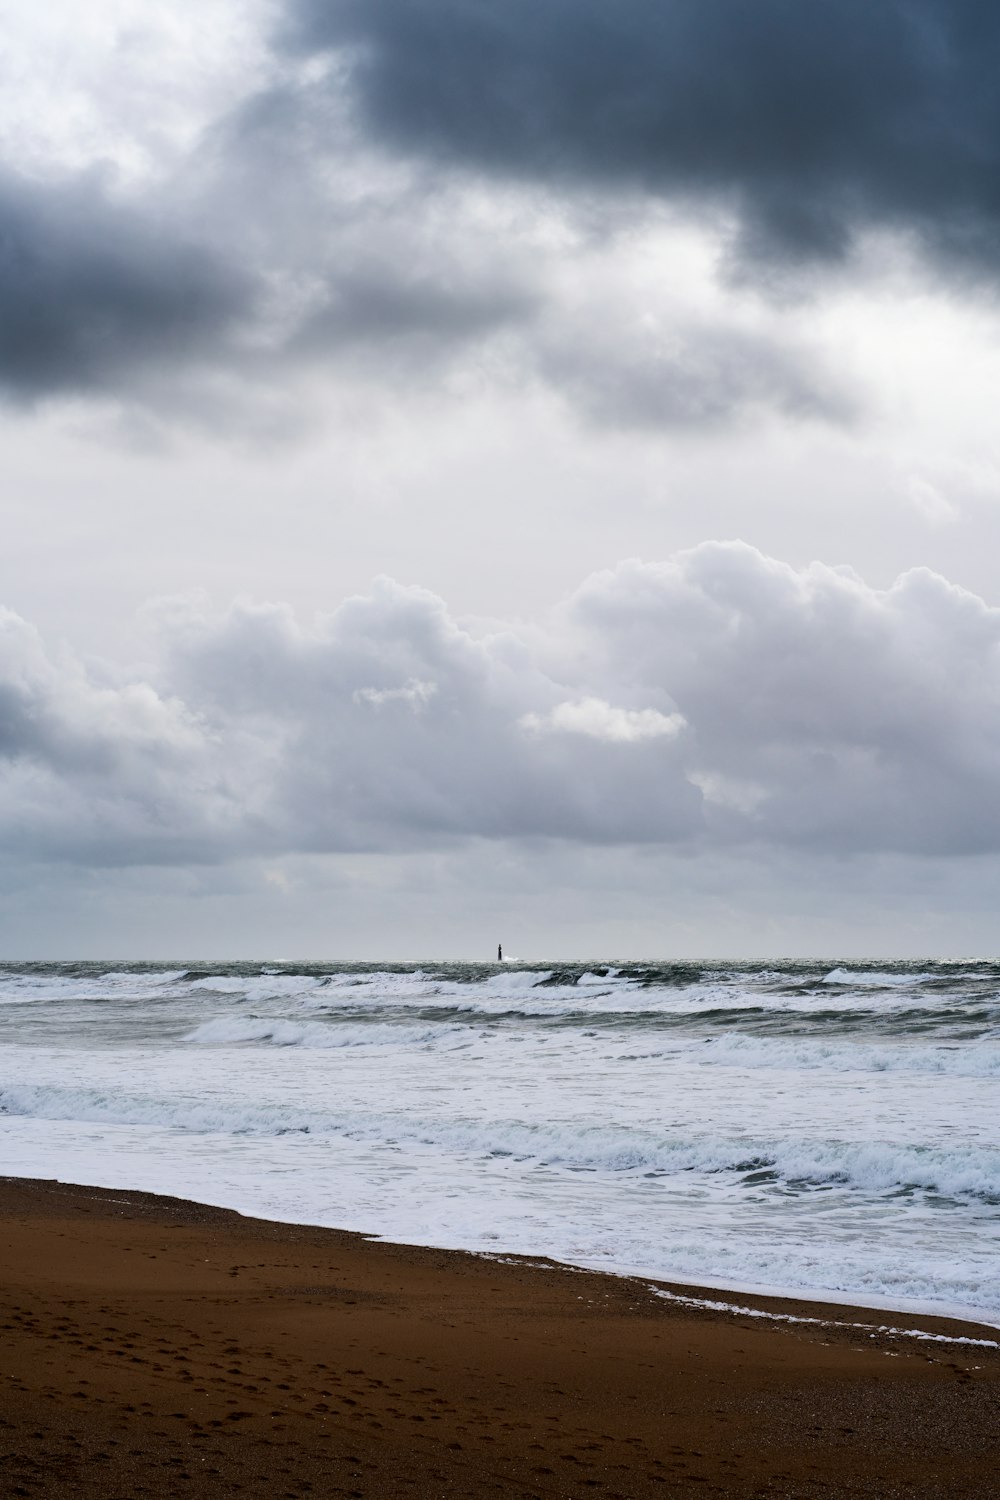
{"x": 259, "y": 988}
{"x": 875, "y": 978}
{"x": 238, "y": 1030}
{"x": 22, "y": 989}
{"x": 841, "y": 1055}
{"x": 871, "y": 1329}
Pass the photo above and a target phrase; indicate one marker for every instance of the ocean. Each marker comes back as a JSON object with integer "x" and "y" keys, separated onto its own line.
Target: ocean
{"x": 825, "y": 1129}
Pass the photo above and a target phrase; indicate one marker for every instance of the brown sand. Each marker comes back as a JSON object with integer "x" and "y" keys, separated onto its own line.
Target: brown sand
{"x": 152, "y": 1347}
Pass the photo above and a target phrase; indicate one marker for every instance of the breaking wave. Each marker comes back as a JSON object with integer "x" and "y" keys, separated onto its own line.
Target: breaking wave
{"x": 238, "y": 1031}
{"x": 572, "y": 1145}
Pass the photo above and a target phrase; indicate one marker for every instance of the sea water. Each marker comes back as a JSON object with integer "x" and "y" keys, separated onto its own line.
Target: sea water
{"x": 827, "y": 1129}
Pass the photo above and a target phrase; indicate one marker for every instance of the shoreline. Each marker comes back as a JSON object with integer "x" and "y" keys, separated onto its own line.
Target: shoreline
{"x": 826, "y": 1311}
{"x": 827, "y": 1306}
{"x": 153, "y": 1344}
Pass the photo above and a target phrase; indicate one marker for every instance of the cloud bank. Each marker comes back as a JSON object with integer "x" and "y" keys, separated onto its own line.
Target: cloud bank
{"x": 719, "y": 700}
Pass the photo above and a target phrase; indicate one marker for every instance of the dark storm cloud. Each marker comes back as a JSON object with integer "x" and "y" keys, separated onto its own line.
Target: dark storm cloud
{"x": 720, "y": 700}
{"x": 91, "y": 291}
{"x": 812, "y": 118}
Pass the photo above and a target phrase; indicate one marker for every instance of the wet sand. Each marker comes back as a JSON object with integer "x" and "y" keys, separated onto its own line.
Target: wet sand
{"x": 153, "y": 1347}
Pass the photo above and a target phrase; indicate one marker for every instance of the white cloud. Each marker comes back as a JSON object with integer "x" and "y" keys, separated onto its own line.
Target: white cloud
{"x": 601, "y": 721}
{"x": 416, "y": 695}
{"x": 729, "y": 791}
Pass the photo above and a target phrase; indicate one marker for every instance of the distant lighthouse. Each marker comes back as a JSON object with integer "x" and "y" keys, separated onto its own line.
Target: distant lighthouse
{"x": 499, "y": 953}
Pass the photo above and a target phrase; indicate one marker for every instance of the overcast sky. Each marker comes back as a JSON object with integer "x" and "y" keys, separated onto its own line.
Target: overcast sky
{"x": 499, "y": 469}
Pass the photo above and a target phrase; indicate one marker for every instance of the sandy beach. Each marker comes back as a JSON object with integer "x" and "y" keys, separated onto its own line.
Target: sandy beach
{"x": 153, "y": 1347}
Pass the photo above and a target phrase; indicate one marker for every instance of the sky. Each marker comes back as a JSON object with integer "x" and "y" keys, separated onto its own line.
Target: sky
{"x": 482, "y": 470}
